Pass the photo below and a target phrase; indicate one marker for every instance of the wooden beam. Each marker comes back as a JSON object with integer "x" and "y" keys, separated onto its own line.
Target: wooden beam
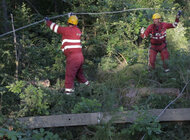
{"x": 133, "y": 92}
{"x": 182, "y": 114}
{"x": 61, "y": 120}
{"x": 170, "y": 115}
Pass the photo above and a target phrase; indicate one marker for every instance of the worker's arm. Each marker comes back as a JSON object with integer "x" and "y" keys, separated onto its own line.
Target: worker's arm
{"x": 173, "y": 25}
{"x": 53, "y": 26}
{"x": 145, "y": 33}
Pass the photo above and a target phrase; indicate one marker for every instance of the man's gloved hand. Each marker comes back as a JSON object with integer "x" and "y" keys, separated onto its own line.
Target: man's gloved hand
{"x": 70, "y": 14}
{"x": 179, "y": 13}
{"x": 46, "y": 18}
{"x": 142, "y": 30}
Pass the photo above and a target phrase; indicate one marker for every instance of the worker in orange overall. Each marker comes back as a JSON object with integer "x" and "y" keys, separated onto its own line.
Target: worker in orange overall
{"x": 72, "y": 49}
{"x": 157, "y": 32}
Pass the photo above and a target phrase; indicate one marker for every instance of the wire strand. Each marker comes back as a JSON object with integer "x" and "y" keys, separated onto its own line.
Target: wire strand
{"x": 162, "y": 112}
{"x": 113, "y": 12}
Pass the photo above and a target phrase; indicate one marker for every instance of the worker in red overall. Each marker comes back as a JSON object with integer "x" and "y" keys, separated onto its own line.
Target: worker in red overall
{"x": 72, "y": 49}
{"x": 157, "y": 32}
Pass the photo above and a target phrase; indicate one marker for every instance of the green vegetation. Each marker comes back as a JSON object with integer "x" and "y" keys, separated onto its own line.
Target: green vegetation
{"x": 115, "y": 61}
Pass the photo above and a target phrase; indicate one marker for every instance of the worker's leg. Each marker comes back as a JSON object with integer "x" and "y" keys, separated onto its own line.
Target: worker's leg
{"x": 152, "y": 58}
{"x": 80, "y": 75}
{"x": 72, "y": 67}
{"x": 165, "y": 59}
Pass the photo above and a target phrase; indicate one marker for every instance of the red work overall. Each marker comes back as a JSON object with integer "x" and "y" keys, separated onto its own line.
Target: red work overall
{"x": 71, "y": 47}
{"x": 158, "y": 41}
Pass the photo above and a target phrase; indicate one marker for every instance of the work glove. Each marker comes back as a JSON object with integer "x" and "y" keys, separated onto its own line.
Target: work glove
{"x": 179, "y": 13}
{"x": 46, "y": 18}
{"x": 70, "y": 14}
{"x": 142, "y": 30}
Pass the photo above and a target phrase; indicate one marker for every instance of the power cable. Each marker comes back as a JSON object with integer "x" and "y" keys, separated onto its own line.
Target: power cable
{"x": 162, "y": 112}
{"x": 113, "y": 12}
{"x": 30, "y": 25}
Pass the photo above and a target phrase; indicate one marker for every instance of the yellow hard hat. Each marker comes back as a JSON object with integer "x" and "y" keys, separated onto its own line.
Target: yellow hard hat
{"x": 156, "y": 16}
{"x": 73, "y": 20}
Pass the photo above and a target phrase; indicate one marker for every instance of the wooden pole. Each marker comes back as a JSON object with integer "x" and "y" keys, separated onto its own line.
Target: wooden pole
{"x": 16, "y": 49}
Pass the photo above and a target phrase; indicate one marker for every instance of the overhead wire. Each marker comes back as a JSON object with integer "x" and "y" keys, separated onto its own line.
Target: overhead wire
{"x": 87, "y": 13}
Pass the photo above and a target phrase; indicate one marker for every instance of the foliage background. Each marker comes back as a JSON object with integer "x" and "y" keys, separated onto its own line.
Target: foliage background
{"x": 115, "y": 60}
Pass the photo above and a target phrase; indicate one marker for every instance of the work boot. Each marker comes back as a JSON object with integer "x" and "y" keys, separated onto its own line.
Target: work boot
{"x": 167, "y": 70}
{"x": 87, "y": 83}
{"x": 69, "y": 91}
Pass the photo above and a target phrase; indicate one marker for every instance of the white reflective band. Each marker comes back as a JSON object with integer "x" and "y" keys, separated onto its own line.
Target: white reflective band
{"x": 68, "y": 93}
{"x": 69, "y": 89}
{"x": 72, "y": 46}
{"x": 163, "y": 36}
{"x": 155, "y": 37}
{"x": 51, "y": 26}
{"x": 70, "y": 41}
{"x": 86, "y": 83}
{"x": 55, "y": 29}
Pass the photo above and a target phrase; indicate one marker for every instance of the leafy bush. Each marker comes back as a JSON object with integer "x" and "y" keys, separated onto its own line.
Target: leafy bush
{"x": 145, "y": 124}
{"x": 33, "y": 99}
{"x": 35, "y": 134}
{"x": 87, "y": 106}
{"x": 107, "y": 64}
{"x": 61, "y": 103}
{"x": 154, "y": 100}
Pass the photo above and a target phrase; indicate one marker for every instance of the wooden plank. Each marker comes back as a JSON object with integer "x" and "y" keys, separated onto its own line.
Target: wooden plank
{"x": 182, "y": 114}
{"x": 61, "y": 120}
{"x": 133, "y": 92}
